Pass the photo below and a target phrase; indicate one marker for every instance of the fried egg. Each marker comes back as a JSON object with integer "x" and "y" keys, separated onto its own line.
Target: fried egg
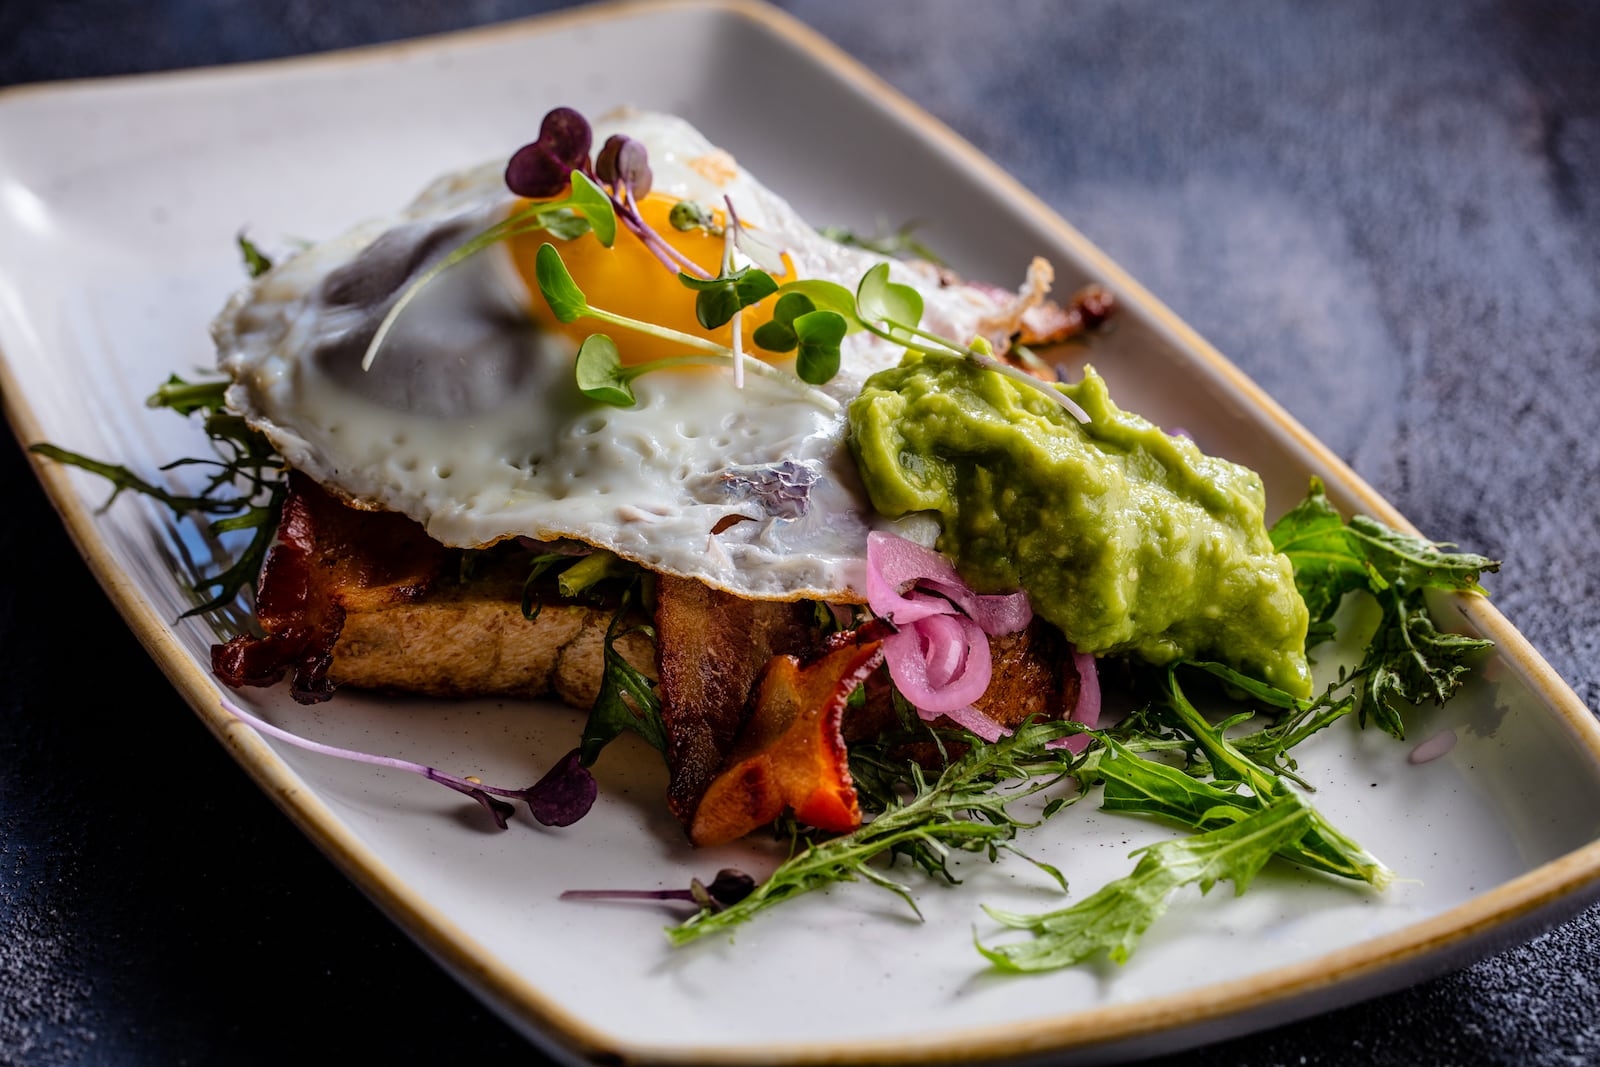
{"x": 470, "y": 420}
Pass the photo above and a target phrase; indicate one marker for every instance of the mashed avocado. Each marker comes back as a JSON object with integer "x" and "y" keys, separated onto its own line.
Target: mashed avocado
{"x": 1127, "y": 538}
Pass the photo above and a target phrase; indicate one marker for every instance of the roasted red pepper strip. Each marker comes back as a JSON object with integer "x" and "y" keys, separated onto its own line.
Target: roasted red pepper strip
{"x": 790, "y": 753}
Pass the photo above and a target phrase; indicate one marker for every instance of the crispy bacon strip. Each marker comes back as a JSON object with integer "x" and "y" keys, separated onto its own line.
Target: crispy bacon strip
{"x": 1050, "y": 323}
{"x": 1026, "y": 317}
{"x": 790, "y": 753}
{"x": 329, "y": 559}
{"x": 711, "y": 646}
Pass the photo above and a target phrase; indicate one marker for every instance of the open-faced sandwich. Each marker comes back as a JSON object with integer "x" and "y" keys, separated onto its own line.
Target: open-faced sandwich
{"x": 819, "y": 520}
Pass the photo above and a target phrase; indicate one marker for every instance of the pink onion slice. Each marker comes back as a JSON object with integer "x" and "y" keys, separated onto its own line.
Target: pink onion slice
{"x": 893, "y": 562}
{"x": 979, "y": 723}
{"x": 1088, "y": 709}
{"x": 1434, "y": 747}
{"x": 910, "y": 652}
{"x": 939, "y": 659}
{"x": 945, "y": 646}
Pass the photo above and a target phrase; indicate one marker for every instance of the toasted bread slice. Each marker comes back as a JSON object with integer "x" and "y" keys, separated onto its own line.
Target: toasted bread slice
{"x": 365, "y": 599}
{"x": 471, "y": 639}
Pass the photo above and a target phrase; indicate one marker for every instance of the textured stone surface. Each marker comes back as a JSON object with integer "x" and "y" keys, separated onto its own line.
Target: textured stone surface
{"x": 1387, "y": 214}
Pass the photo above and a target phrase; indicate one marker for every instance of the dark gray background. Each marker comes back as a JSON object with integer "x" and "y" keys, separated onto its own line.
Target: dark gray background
{"x": 1387, "y": 214}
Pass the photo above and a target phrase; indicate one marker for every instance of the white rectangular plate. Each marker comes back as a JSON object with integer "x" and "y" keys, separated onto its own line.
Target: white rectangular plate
{"x": 119, "y": 203}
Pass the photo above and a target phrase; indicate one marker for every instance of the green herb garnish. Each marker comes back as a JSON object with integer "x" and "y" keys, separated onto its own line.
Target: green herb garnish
{"x": 600, "y": 372}
{"x": 1408, "y": 660}
{"x": 1114, "y": 918}
{"x": 899, "y": 243}
{"x": 627, "y": 700}
{"x": 1233, "y": 792}
{"x": 965, "y": 808}
{"x": 246, "y": 487}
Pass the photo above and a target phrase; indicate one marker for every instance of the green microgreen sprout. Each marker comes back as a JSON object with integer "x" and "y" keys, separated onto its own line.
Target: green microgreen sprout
{"x": 585, "y": 208}
{"x": 600, "y": 371}
{"x": 893, "y": 311}
{"x": 689, "y": 215}
{"x": 814, "y": 335}
{"x": 718, "y": 299}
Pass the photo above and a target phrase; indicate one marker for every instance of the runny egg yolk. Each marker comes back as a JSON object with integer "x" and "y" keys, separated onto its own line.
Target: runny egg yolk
{"x": 627, "y": 279}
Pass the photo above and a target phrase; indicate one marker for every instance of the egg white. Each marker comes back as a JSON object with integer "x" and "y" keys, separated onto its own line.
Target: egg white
{"x": 470, "y": 421}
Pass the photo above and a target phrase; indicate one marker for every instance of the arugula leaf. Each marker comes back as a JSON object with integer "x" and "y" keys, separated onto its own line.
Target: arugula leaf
{"x": 965, "y": 808}
{"x": 1331, "y": 557}
{"x": 1414, "y": 562}
{"x": 1313, "y": 536}
{"x": 1112, "y": 920}
{"x": 1229, "y": 764}
{"x": 245, "y": 490}
{"x": 627, "y": 700}
{"x": 1408, "y": 660}
{"x": 1145, "y": 787}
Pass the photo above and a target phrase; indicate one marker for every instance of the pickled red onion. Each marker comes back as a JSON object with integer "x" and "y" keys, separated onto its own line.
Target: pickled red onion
{"x": 1088, "y": 709}
{"x": 940, "y": 663}
{"x": 893, "y": 562}
{"x": 939, "y": 659}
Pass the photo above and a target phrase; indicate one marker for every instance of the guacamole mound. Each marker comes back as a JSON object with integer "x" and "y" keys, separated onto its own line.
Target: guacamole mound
{"x": 1129, "y": 539}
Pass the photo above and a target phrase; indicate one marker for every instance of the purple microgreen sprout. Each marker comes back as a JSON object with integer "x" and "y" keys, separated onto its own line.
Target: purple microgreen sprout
{"x": 537, "y": 170}
{"x": 565, "y": 793}
{"x": 624, "y": 165}
{"x": 541, "y": 169}
{"x": 892, "y": 311}
{"x": 599, "y": 369}
{"x": 728, "y": 888}
{"x": 600, "y": 195}
{"x": 562, "y": 797}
